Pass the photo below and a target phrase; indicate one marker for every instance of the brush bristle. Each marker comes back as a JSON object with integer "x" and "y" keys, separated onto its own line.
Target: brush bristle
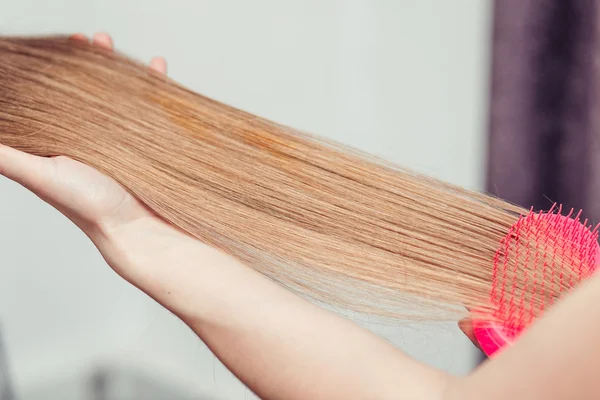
{"x": 543, "y": 257}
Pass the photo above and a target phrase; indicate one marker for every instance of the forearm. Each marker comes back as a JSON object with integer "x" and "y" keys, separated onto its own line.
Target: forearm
{"x": 558, "y": 358}
{"x": 280, "y": 345}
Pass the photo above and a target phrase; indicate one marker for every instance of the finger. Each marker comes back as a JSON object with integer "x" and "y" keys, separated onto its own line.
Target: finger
{"x": 159, "y": 64}
{"x": 28, "y": 170}
{"x": 103, "y": 40}
{"x": 80, "y": 36}
{"x": 466, "y": 327}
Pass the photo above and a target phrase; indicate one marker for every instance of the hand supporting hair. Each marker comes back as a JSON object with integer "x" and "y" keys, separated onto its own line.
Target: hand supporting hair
{"x": 282, "y": 346}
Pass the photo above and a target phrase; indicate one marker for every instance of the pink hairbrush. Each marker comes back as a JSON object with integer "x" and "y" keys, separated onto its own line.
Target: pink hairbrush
{"x": 526, "y": 279}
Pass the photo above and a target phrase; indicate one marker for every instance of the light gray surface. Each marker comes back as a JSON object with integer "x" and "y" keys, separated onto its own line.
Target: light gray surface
{"x": 108, "y": 383}
{"x": 405, "y": 79}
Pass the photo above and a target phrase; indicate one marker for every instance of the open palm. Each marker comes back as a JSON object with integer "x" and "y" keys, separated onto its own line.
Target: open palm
{"x": 96, "y": 203}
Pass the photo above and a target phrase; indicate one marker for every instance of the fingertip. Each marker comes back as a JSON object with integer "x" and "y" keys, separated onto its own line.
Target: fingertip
{"x": 466, "y": 326}
{"x": 79, "y": 36}
{"x": 103, "y": 39}
{"x": 20, "y": 167}
{"x": 159, "y": 64}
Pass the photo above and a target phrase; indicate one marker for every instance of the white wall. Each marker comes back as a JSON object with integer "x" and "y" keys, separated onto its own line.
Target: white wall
{"x": 405, "y": 79}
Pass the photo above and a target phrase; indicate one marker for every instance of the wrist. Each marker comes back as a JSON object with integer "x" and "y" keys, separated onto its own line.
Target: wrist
{"x": 178, "y": 271}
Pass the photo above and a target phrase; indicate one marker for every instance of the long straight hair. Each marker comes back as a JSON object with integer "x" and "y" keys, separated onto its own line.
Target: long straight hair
{"x": 327, "y": 221}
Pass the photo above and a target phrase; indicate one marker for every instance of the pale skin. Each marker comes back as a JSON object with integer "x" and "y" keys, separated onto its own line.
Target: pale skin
{"x": 280, "y": 345}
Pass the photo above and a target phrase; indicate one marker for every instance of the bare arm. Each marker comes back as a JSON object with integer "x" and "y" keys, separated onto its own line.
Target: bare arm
{"x": 283, "y": 347}
{"x": 557, "y": 359}
{"x": 280, "y": 345}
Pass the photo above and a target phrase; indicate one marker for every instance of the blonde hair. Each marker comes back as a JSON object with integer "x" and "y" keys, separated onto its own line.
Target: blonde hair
{"x": 327, "y": 221}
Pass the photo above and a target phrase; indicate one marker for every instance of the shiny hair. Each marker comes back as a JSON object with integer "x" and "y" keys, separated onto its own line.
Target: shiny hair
{"x": 333, "y": 224}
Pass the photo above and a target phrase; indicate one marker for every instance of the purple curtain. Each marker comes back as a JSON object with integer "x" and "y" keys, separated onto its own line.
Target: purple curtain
{"x": 544, "y": 142}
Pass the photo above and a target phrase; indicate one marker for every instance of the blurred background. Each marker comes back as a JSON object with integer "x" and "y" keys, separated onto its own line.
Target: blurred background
{"x": 414, "y": 81}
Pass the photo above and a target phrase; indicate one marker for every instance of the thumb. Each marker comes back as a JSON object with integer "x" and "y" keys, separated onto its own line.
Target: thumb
{"x": 32, "y": 172}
